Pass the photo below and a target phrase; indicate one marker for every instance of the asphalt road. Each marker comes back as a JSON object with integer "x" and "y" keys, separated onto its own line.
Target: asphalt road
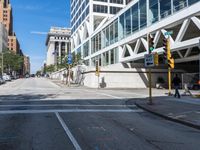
{"x": 36, "y": 114}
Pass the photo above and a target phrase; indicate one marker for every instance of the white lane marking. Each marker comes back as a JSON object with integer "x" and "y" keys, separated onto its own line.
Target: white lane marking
{"x": 117, "y": 97}
{"x": 99, "y": 93}
{"x": 67, "y": 131}
{"x": 112, "y": 96}
{"x": 71, "y": 111}
{"x": 66, "y": 105}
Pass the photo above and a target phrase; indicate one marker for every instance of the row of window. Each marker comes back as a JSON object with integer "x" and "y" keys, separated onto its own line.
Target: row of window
{"x": 80, "y": 20}
{"x": 135, "y": 19}
{"x": 112, "y": 1}
{"x": 104, "y": 9}
{"x": 108, "y": 58}
{"x": 76, "y": 5}
{"x": 108, "y": 36}
{"x": 76, "y": 13}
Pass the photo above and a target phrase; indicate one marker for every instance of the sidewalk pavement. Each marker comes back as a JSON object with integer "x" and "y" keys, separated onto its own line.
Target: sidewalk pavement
{"x": 185, "y": 110}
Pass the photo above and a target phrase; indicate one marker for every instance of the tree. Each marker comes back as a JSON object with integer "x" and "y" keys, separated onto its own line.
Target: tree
{"x": 50, "y": 69}
{"x": 39, "y": 73}
{"x": 12, "y": 61}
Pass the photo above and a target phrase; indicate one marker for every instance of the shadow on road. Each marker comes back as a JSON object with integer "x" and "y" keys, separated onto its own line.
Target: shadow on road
{"x": 26, "y": 97}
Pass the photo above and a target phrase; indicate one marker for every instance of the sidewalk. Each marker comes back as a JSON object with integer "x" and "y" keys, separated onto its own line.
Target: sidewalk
{"x": 185, "y": 110}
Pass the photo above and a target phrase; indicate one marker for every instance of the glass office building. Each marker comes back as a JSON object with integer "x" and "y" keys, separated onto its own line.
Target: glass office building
{"x": 137, "y": 17}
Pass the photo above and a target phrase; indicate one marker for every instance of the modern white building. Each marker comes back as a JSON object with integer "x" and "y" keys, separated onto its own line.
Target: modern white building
{"x": 58, "y": 45}
{"x": 119, "y": 40}
{"x": 3, "y": 38}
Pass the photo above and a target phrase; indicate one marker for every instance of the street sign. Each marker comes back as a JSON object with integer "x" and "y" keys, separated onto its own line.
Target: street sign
{"x": 69, "y": 59}
{"x": 169, "y": 33}
{"x": 149, "y": 60}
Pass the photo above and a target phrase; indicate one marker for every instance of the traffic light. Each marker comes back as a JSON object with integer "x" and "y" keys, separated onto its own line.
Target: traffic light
{"x": 151, "y": 43}
{"x": 171, "y": 63}
{"x": 97, "y": 68}
{"x": 167, "y": 53}
{"x": 156, "y": 59}
{"x": 165, "y": 47}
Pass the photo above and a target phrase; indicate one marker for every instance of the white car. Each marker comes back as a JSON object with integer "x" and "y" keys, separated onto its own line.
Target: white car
{"x": 6, "y": 78}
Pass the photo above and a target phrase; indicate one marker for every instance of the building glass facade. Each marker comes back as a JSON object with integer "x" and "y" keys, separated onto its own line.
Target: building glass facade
{"x": 133, "y": 20}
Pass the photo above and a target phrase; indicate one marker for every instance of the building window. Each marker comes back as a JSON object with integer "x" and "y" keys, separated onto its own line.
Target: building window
{"x": 153, "y": 11}
{"x": 179, "y": 4}
{"x": 100, "y": 8}
{"x": 86, "y": 49}
{"x": 135, "y": 18}
{"x": 114, "y": 10}
{"x": 127, "y": 22}
{"x": 143, "y": 13}
{"x": 165, "y": 8}
{"x": 192, "y": 1}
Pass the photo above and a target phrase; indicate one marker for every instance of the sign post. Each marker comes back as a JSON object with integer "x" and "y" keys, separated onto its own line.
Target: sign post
{"x": 170, "y": 59}
{"x": 97, "y": 72}
{"x": 148, "y": 62}
{"x": 69, "y": 61}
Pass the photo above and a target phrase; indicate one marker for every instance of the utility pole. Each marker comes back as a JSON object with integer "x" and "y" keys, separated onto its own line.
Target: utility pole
{"x": 97, "y": 72}
{"x": 151, "y": 47}
{"x": 170, "y": 61}
{"x": 69, "y": 67}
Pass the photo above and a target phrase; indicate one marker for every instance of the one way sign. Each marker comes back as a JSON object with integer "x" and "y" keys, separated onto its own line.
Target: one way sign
{"x": 149, "y": 60}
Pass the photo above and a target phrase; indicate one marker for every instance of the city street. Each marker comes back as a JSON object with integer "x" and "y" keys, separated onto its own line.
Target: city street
{"x": 37, "y": 114}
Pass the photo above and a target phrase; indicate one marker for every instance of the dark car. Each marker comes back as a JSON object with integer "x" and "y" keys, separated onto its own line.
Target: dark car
{"x": 32, "y": 75}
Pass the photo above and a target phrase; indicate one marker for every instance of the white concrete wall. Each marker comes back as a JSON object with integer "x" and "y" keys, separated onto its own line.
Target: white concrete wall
{"x": 114, "y": 76}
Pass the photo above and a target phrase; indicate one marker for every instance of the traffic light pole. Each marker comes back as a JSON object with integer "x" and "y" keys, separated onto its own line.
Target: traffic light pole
{"x": 150, "y": 88}
{"x": 149, "y": 74}
{"x": 69, "y": 76}
{"x": 169, "y": 68}
{"x": 169, "y": 81}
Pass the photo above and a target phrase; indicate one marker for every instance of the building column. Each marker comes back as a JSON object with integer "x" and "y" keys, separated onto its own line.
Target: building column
{"x": 66, "y": 47}
{"x": 59, "y": 53}
{"x": 51, "y": 53}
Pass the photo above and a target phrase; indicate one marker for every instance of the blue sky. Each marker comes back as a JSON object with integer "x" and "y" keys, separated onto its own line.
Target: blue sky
{"x": 38, "y": 16}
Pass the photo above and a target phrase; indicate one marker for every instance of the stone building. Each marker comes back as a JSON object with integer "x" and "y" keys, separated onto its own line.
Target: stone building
{"x": 58, "y": 45}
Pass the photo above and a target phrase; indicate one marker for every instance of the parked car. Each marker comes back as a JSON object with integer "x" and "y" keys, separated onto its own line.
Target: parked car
{"x": 12, "y": 77}
{"x": 33, "y": 75}
{"x": 6, "y": 77}
{"x": 27, "y": 76}
{"x": 2, "y": 81}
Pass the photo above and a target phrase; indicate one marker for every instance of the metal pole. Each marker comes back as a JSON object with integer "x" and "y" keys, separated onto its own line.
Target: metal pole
{"x": 169, "y": 80}
{"x": 150, "y": 89}
{"x": 69, "y": 77}
{"x": 149, "y": 75}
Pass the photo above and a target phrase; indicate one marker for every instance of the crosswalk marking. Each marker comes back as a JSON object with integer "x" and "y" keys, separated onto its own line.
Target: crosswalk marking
{"x": 71, "y": 111}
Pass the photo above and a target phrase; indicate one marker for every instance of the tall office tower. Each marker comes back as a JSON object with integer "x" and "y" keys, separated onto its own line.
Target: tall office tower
{"x": 6, "y": 15}
{"x": 6, "y": 18}
{"x": 87, "y": 16}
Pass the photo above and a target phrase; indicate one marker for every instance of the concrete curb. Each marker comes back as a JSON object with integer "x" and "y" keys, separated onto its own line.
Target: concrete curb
{"x": 186, "y": 123}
